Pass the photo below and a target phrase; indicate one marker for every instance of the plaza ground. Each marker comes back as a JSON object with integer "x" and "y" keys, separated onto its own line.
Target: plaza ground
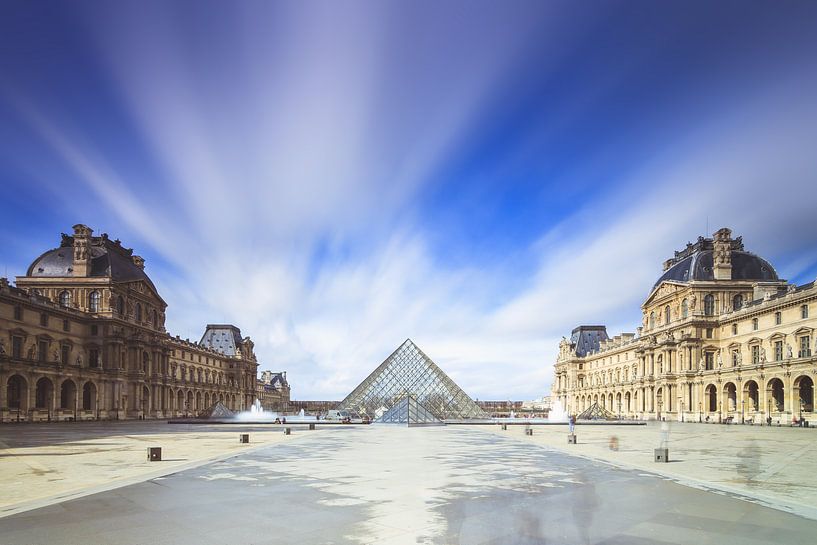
{"x": 393, "y": 485}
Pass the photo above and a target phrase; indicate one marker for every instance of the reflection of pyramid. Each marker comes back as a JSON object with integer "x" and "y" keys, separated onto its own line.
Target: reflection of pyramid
{"x": 408, "y": 411}
{"x": 409, "y": 377}
{"x": 596, "y": 412}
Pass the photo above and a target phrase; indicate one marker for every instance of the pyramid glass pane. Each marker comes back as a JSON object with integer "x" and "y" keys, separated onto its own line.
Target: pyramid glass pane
{"x": 409, "y": 374}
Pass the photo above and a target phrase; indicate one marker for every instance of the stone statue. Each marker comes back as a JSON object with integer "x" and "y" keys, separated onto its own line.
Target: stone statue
{"x": 701, "y": 363}
{"x": 79, "y": 360}
{"x": 789, "y": 352}
{"x": 2, "y": 347}
{"x": 30, "y": 352}
{"x": 720, "y": 360}
{"x": 762, "y": 355}
{"x": 56, "y": 355}
{"x": 692, "y": 302}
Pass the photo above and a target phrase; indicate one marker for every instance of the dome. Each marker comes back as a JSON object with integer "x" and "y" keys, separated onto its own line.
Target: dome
{"x": 699, "y": 266}
{"x": 108, "y": 260}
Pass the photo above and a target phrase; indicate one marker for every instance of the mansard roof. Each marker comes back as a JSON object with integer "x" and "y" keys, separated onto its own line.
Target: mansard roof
{"x": 224, "y": 338}
{"x": 587, "y": 338}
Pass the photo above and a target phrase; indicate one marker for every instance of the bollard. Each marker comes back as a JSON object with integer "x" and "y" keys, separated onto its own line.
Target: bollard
{"x": 504, "y": 426}
{"x": 244, "y": 438}
{"x": 662, "y": 455}
{"x": 571, "y": 439}
{"x": 287, "y": 430}
{"x": 154, "y": 454}
{"x": 529, "y": 431}
{"x": 312, "y": 426}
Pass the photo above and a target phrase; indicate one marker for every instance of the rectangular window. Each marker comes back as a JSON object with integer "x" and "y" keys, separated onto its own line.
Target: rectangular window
{"x": 93, "y": 358}
{"x": 805, "y": 347}
{"x": 64, "y": 354}
{"x": 17, "y": 348}
{"x": 44, "y": 320}
{"x": 804, "y": 312}
{"x": 756, "y": 354}
{"x": 94, "y": 330}
{"x": 18, "y": 312}
{"x": 778, "y": 318}
{"x": 710, "y": 361}
{"x": 708, "y": 332}
{"x": 42, "y": 350}
{"x": 734, "y": 358}
{"x": 778, "y": 350}
{"x": 66, "y": 325}
{"x": 734, "y": 329}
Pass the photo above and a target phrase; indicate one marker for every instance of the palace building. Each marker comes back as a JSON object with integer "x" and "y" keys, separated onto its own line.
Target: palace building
{"x": 82, "y": 337}
{"x": 722, "y": 339}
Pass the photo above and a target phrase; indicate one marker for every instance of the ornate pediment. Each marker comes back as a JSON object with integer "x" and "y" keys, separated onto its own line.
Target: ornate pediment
{"x": 664, "y": 289}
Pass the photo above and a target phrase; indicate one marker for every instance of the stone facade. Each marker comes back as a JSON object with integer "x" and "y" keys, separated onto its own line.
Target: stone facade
{"x": 272, "y": 390}
{"x": 82, "y": 337}
{"x": 722, "y": 338}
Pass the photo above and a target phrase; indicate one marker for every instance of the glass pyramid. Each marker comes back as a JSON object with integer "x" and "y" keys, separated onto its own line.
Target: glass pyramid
{"x": 408, "y": 374}
{"x": 408, "y": 411}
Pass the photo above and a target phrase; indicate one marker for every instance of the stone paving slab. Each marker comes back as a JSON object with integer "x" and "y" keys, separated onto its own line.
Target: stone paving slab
{"x": 43, "y": 463}
{"x": 773, "y": 465}
{"x": 395, "y": 485}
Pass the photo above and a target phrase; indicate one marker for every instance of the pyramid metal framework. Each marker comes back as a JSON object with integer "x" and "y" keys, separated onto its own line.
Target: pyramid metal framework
{"x": 408, "y": 372}
{"x": 409, "y": 411}
{"x": 596, "y": 412}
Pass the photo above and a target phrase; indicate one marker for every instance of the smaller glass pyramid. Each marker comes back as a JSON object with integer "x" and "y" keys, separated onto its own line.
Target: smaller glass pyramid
{"x": 596, "y": 412}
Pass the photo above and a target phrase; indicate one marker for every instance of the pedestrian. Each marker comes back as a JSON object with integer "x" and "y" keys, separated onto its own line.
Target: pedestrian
{"x": 571, "y": 422}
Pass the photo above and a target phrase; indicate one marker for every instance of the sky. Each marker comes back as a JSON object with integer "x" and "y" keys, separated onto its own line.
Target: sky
{"x": 480, "y": 177}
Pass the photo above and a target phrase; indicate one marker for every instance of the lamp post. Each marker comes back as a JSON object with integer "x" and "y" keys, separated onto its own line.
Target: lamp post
{"x": 619, "y": 408}
{"x": 700, "y": 413}
{"x": 660, "y": 404}
{"x": 769, "y": 411}
{"x": 742, "y": 404}
{"x": 720, "y": 411}
{"x": 800, "y": 418}
{"x": 682, "y": 409}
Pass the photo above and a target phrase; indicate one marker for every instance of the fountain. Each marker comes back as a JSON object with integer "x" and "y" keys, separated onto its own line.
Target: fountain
{"x": 557, "y": 412}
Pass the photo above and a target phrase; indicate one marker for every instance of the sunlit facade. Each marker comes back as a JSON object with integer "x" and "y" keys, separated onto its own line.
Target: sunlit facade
{"x": 82, "y": 337}
{"x": 722, "y": 338}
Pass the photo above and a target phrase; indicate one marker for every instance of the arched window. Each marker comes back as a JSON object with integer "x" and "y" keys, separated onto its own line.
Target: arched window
{"x": 666, "y": 315}
{"x": 709, "y": 305}
{"x": 65, "y": 298}
{"x": 138, "y": 312}
{"x": 93, "y": 301}
{"x": 120, "y": 306}
{"x": 652, "y": 320}
{"x": 155, "y": 319}
{"x": 737, "y": 302}
{"x": 684, "y": 309}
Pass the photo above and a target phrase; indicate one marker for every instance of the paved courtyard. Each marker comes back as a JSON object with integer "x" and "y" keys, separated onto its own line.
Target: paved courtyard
{"x": 395, "y": 485}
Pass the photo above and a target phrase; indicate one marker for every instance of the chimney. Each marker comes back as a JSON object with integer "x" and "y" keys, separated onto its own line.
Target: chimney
{"x": 82, "y": 250}
{"x": 722, "y": 256}
{"x": 138, "y": 261}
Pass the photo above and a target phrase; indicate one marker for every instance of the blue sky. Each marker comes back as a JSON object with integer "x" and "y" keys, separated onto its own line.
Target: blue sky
{"x": 479, "y": 176}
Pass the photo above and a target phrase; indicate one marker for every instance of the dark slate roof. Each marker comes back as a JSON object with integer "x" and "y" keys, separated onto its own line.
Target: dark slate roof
{"x": 224, "y": 338}
{"x": 587, "y": 338}
{"x": 277, "y": 380}
{"x": 108, "y": 259}
{"x": 698, "y": 266}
